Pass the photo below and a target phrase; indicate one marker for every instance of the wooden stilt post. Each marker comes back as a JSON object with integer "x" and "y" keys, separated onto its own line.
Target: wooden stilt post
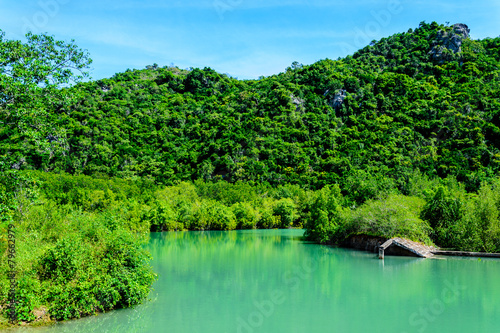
{"x": 382, "y": 248}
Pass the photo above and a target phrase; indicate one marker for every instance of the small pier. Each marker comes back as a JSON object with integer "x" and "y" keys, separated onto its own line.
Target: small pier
{"x": 405, "y": 247}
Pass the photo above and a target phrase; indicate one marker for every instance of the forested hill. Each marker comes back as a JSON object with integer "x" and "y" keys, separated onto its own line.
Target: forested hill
{"x": 426, "y": 98}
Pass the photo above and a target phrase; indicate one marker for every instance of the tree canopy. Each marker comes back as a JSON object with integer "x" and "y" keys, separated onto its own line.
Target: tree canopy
{"x": 388, "y": 109}
{"x": 32, "y": 74}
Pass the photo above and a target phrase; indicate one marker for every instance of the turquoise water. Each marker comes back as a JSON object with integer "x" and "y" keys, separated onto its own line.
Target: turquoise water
{"x": 272, "y": 281}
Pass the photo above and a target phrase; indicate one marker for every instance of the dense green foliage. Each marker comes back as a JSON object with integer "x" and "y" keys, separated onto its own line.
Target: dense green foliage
{"x": 78, "y": 246}
{"x": 437, "y": 211}
{"x": 80, "y": 237}
{"x": 399, "y": 139}
{"x": 404, "y": 109}
{"x": 31, "y": 75}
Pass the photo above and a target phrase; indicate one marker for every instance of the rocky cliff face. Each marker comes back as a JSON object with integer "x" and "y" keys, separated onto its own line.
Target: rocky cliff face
{"x": 449, "y": 42}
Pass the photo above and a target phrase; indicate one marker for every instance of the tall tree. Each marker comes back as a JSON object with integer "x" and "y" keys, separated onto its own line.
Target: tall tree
{"x": 33, "y": 75}
{"x": 33, "y": 78}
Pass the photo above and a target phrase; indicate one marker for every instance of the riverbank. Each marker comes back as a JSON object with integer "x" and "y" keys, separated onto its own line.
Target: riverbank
{"x": 79, "y": 240}
{"x": 42, "y": 321}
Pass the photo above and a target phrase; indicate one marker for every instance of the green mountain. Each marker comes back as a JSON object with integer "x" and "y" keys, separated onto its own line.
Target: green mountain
{"x": 424, "y": 99}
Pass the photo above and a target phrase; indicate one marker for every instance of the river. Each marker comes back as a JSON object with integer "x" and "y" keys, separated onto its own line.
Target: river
{"x": 272, "y": 281}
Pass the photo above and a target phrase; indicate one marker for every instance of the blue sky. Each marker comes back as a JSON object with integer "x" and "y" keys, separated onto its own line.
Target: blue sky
{"x": 243, "y": 38}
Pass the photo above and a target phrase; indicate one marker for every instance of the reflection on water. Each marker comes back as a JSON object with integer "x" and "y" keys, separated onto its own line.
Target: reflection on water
{"x": 273, "y": 281}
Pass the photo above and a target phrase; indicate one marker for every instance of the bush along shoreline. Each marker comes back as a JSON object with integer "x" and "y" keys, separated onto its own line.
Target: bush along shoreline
{"x": 76, "y": 255}
{"x": 438, "y": 212}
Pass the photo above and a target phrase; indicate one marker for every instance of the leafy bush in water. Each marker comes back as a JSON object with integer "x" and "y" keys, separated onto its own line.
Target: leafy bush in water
{"x": 126, "y": 266}
{"x": 79, "y": 280}
{"x": 213, "y": 215}
{"x": 444, "y": 213}
{"x": 246, "y": 215}
{"x": 465, "y": 222}
{"x": 287, "y": 212}
{"x": 323, "y": 215}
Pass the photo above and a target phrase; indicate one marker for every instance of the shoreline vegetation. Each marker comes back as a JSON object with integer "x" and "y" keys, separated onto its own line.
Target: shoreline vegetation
{"x": 81, "y": 249}
{"x": 400, "y": 139}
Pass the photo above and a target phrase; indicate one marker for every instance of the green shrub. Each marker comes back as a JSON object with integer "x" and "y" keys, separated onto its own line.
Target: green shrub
{"x": 227, "y": 193}
{"x": 444, "y": 213}
{"x": 266, "y": 212}
{"x": 163, "y": 218}
{"x": 479, "y": 228}
{"x": 395, "y": 216}
{"x": 127, "y": 265}
{"x": 268, "y": 220}
{"x": 360, "y": 185}
{"x": 246, "y": 215}
{"x": 419, "y": 184}
{"x": 176, "y": 195}
{"x": 212, "y": 215}
{"x": 73, "y": 300}
{"x": 323, "y": 214}
{"x": 287, "y": 211}
{"x": 114, "y": 275}
{"x": 27, "y": 296}
{"x": 61, "y": 261}
{"x": 487, "y": 215}
{"x": 185, "y": 213}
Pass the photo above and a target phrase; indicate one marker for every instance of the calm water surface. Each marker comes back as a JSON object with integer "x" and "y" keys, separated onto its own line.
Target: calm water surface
{"x": 272, "y": 281}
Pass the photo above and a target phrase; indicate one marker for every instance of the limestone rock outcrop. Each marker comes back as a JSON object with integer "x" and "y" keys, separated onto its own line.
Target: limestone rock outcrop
{"x": 449, "y": 40}
{"x": 338, "y": 99}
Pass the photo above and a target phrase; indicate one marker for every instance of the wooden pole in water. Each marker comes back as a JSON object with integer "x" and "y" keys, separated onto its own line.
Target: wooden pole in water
{"x": 382, "y": 248}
